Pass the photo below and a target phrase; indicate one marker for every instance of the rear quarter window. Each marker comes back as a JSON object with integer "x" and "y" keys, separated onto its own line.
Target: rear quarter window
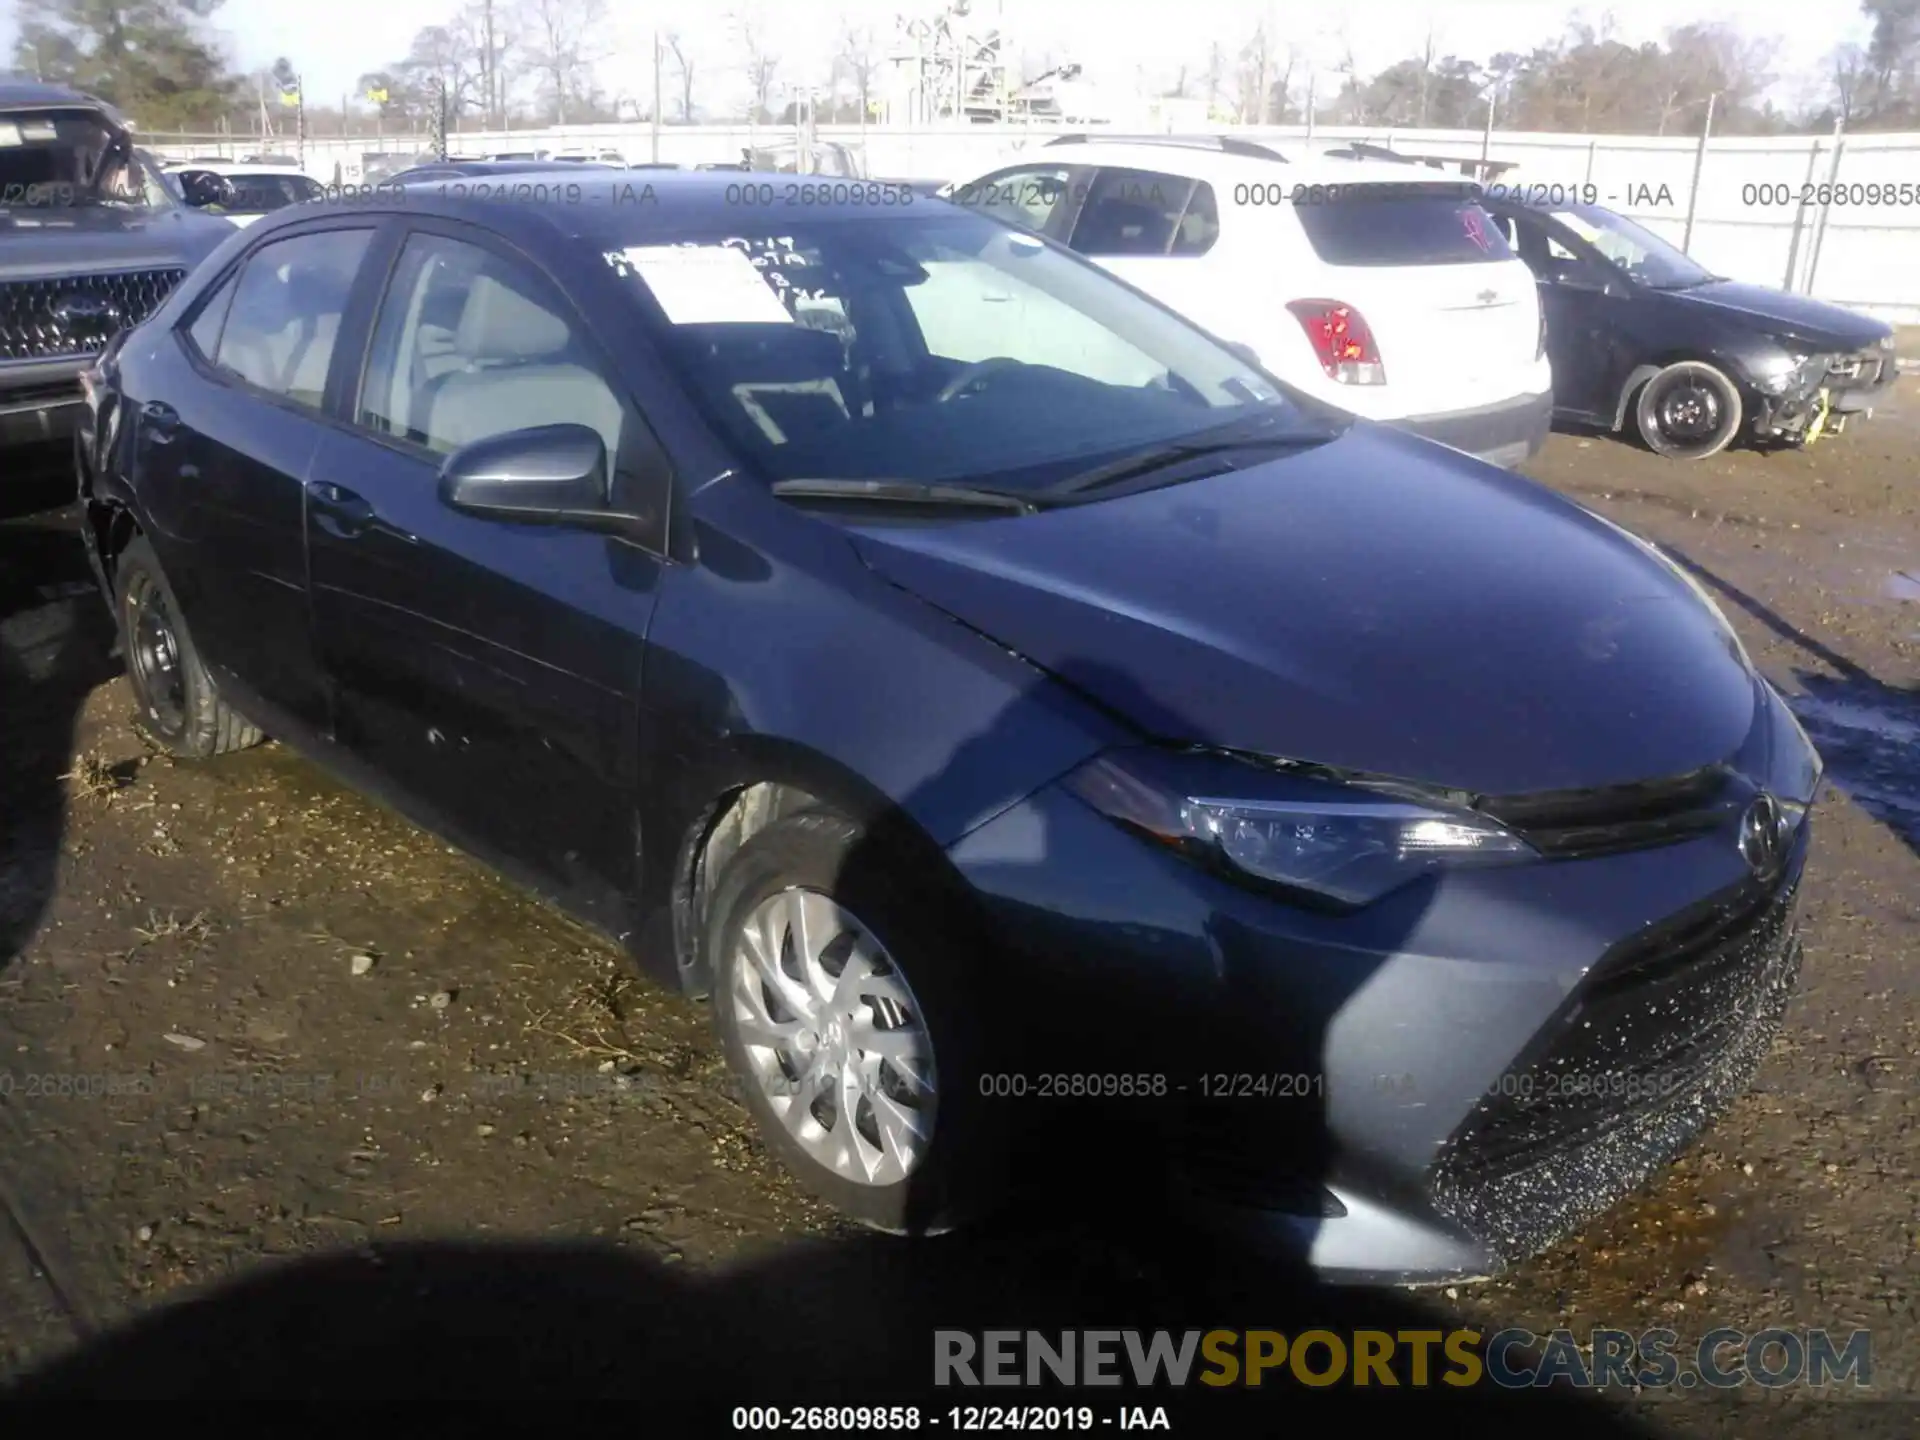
{"x": 1380, "y": 225}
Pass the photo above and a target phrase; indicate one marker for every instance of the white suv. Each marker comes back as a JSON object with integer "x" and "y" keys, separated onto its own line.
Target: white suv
{"x": 1382, "y": 289}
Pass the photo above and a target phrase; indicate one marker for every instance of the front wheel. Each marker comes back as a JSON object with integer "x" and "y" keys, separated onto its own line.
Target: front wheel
{"x": 178, "y": 705}
{"x": 1688, "y": 411}
{"x": 846, "y": 1013}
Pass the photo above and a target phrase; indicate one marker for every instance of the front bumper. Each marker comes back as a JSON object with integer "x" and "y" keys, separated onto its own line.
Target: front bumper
{"x": 41, "y": 401}
{"x": 1852, "y": 388}
{"x": 1507, "y": 434}
{"x": 1432, "y": 1088}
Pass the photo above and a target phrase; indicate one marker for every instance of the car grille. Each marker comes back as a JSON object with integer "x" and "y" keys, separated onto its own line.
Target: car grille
{"x": 1621, "y": 817}
{"x": 29, "y": 331}
{"x": 1662, "y": 1034}
{"x": 1864, "y": 371}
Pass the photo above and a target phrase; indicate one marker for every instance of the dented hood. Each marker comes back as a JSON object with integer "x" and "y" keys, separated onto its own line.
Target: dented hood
{"x": 1378, "y": 603}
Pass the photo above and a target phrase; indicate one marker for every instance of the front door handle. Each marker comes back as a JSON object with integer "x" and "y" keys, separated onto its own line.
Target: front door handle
{"x": 339, "y": 511}
{"x": 159, "y": 421}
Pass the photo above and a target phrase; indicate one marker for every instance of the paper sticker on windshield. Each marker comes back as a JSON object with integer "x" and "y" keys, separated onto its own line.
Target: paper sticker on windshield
{"x": 1585, "y": 229}
{"x": 9, "y": 133}
{"x": 706, "y": 285}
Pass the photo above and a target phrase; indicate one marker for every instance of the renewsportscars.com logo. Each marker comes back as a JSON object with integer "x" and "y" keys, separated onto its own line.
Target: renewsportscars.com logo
{"x": 1512, "y": 1359}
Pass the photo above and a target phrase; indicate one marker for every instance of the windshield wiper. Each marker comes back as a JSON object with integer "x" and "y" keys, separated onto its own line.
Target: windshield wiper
{"x": 910, "y": 492}
{"x": 1145, "y": 462}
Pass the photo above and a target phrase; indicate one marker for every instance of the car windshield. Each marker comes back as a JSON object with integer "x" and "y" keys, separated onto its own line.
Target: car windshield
{"x": 1636, "y": 250}
{"x": 939, "y": 347}
{"x": 67, "y": 157}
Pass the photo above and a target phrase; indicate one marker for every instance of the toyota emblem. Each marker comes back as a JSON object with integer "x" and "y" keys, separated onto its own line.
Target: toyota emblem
{"x": 86, "y": 317}
{"x": 1762, "y": 836}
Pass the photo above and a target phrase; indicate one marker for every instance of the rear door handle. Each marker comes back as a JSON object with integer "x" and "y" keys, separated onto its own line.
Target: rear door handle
{"x": 339, "y": 511}
{"x": 159, "y": 421}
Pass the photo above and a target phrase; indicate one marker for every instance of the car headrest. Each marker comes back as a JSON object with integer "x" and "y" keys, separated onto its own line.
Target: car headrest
{"x": 303, "y": 292}
{"x": 764, "y": 353}
{"x": 499, "y": 323}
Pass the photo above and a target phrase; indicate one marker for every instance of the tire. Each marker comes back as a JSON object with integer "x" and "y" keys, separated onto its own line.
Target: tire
{"x": 175, "y": 698}
{"x": 1688, "y": 411}
{"x": 845, "y": 874}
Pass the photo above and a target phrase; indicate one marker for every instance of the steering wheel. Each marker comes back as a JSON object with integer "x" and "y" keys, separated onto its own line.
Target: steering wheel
{"x": 971, "y": 376}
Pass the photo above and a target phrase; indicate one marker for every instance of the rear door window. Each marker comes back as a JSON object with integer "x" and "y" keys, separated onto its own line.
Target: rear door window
{"x": 1032, "y": 197}
{"x": 286, "y": 313}
{"x": 1132, "y": 212}
{"x": 1396, "y": 224}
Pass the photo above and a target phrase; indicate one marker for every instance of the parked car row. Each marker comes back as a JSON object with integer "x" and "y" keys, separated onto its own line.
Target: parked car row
{"x": 1049, "y": 726}
{"x": 1471, "y": 316}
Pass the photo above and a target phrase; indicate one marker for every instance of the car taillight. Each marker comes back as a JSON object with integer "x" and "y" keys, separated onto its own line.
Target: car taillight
{"x": 1341, "y": 340}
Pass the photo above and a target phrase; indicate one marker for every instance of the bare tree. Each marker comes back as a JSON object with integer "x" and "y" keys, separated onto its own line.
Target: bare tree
{"x": 483, "y": 31}
{"x": 676, "y": 47}
{"x": 445, "y": 54}
{"x": 860, "y": 61}
{"x": 1256, "y": 59}
{"x": 1351, "y": 88}
{"x": 1852, "y": 74}
{"x": 1215, "y": 78}
{"x": 1428, "y": 54}
{"x": 760, "y": 63}
{"x": 563, "y": 41}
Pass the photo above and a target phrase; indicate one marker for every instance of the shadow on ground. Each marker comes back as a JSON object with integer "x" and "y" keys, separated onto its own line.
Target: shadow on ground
{"x": 1867, "y": 730}
{"x": 55, "y": 643}
{"x": 847, "y": 1323}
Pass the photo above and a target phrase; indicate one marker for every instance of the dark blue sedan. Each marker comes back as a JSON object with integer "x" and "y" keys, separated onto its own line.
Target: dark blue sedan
{"x": 1047, "y": 740}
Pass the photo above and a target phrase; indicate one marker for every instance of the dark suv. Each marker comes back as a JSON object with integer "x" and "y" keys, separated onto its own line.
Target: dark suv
{"x": 91, "y": 240}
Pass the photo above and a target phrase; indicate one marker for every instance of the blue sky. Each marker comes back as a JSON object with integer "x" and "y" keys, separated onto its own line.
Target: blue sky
{"x": 1116, "y": 40}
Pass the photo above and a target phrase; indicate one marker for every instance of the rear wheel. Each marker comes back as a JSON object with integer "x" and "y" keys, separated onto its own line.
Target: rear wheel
{"x": 1688, "y": 411}
{"x": 177, "y": 703}
{"x": 846, "y": 1014}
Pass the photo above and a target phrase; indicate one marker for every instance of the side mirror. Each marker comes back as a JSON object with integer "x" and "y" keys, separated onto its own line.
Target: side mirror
{"x": 545, "y": 475}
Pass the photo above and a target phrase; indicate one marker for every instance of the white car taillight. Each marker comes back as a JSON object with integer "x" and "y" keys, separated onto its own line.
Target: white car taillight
{"x": 1341, "y": 341}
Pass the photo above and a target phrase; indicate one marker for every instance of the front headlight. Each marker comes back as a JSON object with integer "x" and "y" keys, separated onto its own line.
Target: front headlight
{"x": 1327, "y": 844}
{"x": 1788, "y": 370}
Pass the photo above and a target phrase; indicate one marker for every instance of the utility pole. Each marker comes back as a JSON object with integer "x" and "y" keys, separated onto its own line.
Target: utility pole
{"x": 1699, "y": 162}
{"x": 437, "y": 119}
{"x": 656, "y": 97}
{"x": 1486, "y": 138}
{"x": 492, "y": 64}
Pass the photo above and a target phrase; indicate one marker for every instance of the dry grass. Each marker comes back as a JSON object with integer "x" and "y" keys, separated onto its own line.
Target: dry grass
{"x": 95, "y": 778}
{"x": 194, "y": 929}
{"x": 592, "y": 1018}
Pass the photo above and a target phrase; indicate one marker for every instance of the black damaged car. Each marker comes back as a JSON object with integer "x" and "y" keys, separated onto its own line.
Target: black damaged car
{"x": 1643, "y": 336}
{"x": 91, "y": 240}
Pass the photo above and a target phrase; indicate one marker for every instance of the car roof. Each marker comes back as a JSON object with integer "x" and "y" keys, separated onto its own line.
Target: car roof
{"x": 483, "y": 167}
{"x": 230, "y": 167}
{"x": 1199, "y": 162}
{"x": 21, "y": 94}
{"x": 601, "y": 208}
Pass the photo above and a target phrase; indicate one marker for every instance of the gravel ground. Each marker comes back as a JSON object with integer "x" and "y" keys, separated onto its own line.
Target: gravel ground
{"x": 290, "y": 1024}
